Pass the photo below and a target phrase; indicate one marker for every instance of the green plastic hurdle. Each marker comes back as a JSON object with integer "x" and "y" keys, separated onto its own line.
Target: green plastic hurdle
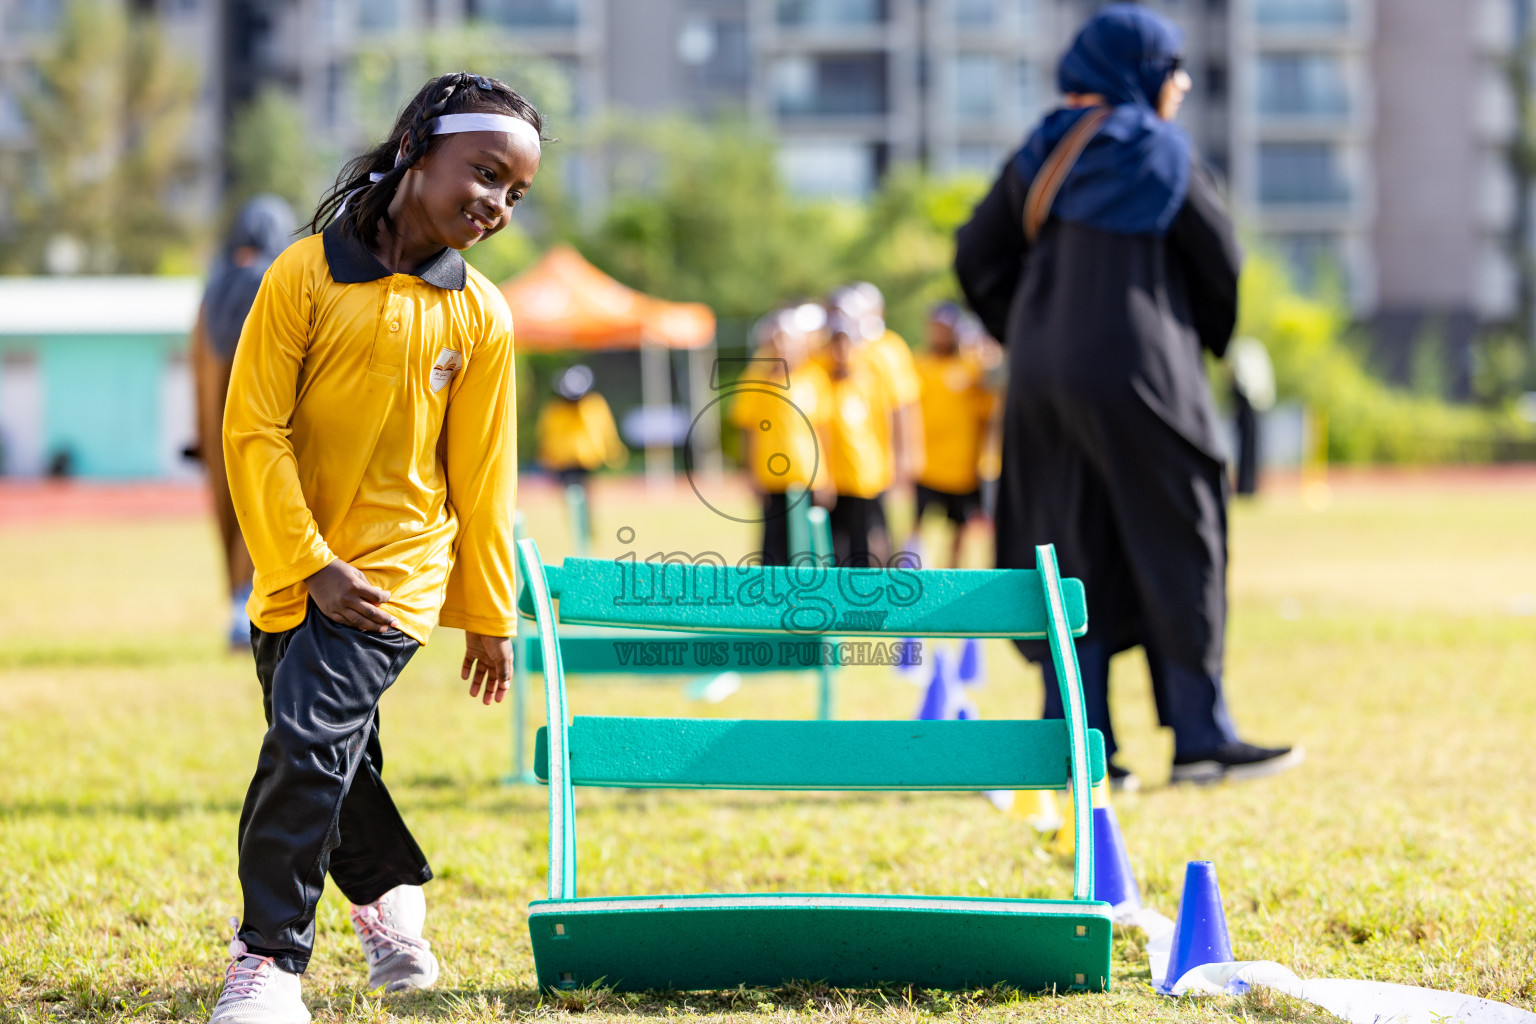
{"x": 611, "y": 652}
{"x": 719, "y": 940}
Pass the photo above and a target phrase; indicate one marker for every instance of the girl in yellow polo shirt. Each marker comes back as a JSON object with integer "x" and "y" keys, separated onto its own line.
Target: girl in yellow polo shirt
{"x": 370, "y": 442}
{"x": 860, "y": 415}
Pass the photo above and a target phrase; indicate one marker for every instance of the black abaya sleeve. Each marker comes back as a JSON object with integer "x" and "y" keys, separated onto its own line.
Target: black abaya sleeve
{"x": 1202, "y": 240}
{"x": 990, "y": 251}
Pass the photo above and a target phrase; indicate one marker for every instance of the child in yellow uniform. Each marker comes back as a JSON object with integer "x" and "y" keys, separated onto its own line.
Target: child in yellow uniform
{"x": 889, "y": 358}
{"x": 576, "y": 432}
{"x": 781, "y": 407}
{"x": 370, "y": 440}
{"x": 957, "y": 408}
{"x": 860, "y": 417}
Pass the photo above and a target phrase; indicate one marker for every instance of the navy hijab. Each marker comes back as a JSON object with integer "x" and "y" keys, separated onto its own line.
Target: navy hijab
{"x": 265, "y": 224}
{"x": 1133, "y": 176}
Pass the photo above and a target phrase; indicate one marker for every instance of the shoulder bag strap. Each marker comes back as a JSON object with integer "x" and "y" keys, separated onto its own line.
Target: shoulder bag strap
{"x": 1048, "y": 180}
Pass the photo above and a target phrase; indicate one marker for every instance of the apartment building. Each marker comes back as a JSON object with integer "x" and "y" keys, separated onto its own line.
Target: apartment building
{"x": 1365, "y": 135}
{"x": 1373, "y": 137}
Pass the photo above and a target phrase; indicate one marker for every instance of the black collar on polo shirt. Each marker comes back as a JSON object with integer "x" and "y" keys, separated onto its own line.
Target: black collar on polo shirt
{"x": 352, "y": 263}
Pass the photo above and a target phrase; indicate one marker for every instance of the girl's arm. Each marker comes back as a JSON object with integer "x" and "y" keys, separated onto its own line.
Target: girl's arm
{"x": 279, "y": 529}
{"x": 480, "y": 432}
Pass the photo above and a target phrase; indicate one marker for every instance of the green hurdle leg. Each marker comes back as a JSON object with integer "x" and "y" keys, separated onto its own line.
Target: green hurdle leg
{"x": 522, "y": 770}
{"x": 581, "y": 519}
{"x": 820, "y": 531}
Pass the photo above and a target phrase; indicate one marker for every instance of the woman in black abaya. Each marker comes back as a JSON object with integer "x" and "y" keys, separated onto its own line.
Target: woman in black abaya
{"x": 1110, "y": 440}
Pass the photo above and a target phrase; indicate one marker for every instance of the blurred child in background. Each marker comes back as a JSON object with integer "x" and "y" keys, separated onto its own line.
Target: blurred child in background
{"x": 858, "y": 454}
{"x": 889, "y": 356}
{"x": 782, "y": 407}
{"x": 261, "y": 231}
{"x": 957, "y": 409}
{"x": 577, "y": 434}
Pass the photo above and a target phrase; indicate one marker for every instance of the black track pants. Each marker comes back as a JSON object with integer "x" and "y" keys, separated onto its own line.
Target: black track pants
{"x": 317, "y": 802}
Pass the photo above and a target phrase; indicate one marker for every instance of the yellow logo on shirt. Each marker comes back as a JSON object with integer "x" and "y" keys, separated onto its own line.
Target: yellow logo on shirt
{"x": 447, "y": 364}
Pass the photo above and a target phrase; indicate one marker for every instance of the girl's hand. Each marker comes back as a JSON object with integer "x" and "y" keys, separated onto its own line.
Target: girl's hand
{"x": 345, "y": 596}
{"x": 491, "y": 659}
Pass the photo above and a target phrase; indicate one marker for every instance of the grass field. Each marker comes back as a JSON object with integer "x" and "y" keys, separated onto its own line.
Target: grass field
{"x": 1391, "y": 634}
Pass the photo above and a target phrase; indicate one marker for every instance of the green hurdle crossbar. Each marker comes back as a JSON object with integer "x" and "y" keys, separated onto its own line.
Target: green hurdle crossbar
{"x": 722, "y": 940}
{"x": 615, "y": 652}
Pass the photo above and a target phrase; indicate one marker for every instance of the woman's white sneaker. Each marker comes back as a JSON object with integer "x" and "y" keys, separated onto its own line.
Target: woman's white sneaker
{"x": 257, "y": 991}
{"x": 389, "y": 928}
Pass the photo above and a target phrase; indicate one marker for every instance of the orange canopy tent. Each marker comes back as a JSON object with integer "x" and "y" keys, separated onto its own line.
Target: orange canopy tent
{"x": 563, "y": 302}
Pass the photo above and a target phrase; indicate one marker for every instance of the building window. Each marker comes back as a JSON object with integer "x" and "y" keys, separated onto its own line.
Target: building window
{"x": 1302, "y": 85}
{"x": 829, "y": 13}
{"x": 33, "y": 15}
{"x": 975, "y": 13}
{"x": 1301, "y": 172}
{"x": 976, "y": 86}
{"x": 335, "y": 87}
{"x": 843, "y": 170}
{"x": 530, "y": 13}
{"x": 1301, "y": 13}
{"x": 1029, "y": 15}
{"x": 717, "y": 48}
{"x": 832, "y": 85}
{"x": 378, "y": 15}
{"x": 1033, "y": 96}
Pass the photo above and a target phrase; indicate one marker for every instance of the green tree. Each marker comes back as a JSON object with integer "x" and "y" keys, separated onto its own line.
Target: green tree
{"x": 108, "y": 117}
{"x": 700, "y": 213}
{"x": 1369, "y": 421}
{"x": 907, "y": 245}
{"x": 269, "y": 151}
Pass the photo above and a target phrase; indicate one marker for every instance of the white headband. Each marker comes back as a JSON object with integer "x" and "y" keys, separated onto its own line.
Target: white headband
{"x": 452, "y": 124}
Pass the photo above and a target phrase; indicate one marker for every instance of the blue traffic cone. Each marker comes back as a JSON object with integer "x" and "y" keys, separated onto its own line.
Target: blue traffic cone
{"x": 1113, "y": 880}
{"x": 936, "y": 699}
{"x": 1200, "y": 935}
{"x": 971, "y": 672}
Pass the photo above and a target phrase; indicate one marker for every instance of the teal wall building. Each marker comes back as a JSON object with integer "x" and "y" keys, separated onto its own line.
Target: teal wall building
{"x": 94, "y": 377}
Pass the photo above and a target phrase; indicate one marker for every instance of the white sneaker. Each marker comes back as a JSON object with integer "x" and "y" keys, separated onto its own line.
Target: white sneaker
{"x": 257, "y": 991}
{"x": 390, "y": 930}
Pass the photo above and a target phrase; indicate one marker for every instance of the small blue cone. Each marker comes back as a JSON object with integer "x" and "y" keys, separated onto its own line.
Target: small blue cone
{"x": 970, "y": 671}
{"x": 1200, "y": 935}
{"x": 936, "y": 699}
{"x": 1113, "y": 880}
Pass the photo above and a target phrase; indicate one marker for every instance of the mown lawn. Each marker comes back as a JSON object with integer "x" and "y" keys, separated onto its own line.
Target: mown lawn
{"x": 1391, "y": 634}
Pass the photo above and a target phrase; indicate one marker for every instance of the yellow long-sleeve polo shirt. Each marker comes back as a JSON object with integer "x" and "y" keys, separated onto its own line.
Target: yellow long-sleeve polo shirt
{"x": 372, "y": 417}
{"x": 579, "y": 434}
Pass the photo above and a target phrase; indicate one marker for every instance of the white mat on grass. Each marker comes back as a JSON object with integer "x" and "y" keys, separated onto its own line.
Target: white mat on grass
{"x": 1362, "y": 1002}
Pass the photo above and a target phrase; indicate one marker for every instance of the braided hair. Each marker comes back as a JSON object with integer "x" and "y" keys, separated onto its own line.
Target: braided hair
{"x": 367, "y": 201}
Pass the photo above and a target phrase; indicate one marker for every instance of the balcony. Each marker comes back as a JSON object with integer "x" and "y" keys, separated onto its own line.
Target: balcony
{"x": 1310, "y": 87}
{"x": 529, "y": 13}
{"x": 1301, "y": 174}
{"x": 830, "y": 14}
{"x": 1303, "y": 15}
{"x": 978, "y": 86}
{"x": 837, "y": 85}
